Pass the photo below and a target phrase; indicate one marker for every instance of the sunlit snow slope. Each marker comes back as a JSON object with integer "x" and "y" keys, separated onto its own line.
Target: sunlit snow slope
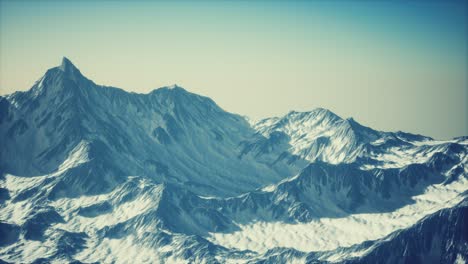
{"x": 96, "y": 174}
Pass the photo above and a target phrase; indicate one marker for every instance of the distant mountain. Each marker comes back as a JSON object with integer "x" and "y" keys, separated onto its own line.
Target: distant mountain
{"x": 96, "y": 174}
{"x": 320, "y": 135}
{"x": 324, "y": 136}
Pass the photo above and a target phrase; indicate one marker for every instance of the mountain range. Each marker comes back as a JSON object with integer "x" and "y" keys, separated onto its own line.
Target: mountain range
{"x": 90, "y": 173}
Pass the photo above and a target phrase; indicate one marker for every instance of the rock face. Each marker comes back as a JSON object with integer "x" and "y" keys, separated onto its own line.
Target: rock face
{"x": 96, "y": 174}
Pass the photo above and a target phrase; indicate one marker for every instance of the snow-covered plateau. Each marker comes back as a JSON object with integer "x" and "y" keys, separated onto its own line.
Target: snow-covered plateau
{"x": 95, "y": 174}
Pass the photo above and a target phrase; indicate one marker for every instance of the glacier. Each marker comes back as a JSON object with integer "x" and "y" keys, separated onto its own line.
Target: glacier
{"x": 90, "y": 173}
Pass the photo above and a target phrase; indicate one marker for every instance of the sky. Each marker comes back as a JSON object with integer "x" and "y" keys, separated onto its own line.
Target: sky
{"x": 391, "y": 65}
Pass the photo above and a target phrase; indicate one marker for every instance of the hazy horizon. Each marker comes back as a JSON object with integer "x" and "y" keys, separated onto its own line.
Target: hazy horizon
{"x": 391, "y": 66}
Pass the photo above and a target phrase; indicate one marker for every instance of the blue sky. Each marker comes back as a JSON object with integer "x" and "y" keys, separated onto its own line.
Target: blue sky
{"x": 395, "y": 65}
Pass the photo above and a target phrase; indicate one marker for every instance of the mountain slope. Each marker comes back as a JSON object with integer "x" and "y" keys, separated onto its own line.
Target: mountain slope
{"x": 441, "y": 237}
{"x": 438, "y": 238}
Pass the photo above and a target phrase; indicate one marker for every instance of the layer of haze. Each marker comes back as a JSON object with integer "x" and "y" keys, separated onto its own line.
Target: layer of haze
{"x": 391, "y": 66}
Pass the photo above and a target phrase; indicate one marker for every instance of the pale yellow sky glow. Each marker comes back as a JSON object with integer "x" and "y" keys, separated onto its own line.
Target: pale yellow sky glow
{"x": 389, "y": 71}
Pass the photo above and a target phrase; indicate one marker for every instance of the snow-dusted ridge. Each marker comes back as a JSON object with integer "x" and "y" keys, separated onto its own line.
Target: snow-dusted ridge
{"x": 95, "y": 174}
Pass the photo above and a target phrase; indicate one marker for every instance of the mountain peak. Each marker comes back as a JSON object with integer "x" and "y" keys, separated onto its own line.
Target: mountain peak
{"x": 315, "y": 113}
{"x": 66, "y": 65}
{"x": 177, "y": 88}
{"x": 69, "y": 68}
{"x": 174, "y": 86}
{"x": 324, "y": 112}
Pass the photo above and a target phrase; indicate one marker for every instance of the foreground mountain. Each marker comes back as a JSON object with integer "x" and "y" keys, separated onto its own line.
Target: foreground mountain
{"x": 96, "y": 174}
{"x": 170, "y": 135}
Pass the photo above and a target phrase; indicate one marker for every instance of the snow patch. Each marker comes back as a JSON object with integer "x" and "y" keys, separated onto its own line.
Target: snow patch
{"x": 330, "y": 233}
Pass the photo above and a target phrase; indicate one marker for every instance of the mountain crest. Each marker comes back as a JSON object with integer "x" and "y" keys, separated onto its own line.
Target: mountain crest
{"x": 317, "y": 113}
{"x": 66, "y": 64}
{"x": 69, "y": 69}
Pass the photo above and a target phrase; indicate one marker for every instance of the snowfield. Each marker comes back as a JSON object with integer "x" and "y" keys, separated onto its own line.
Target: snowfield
{"x": 327, "y": 234}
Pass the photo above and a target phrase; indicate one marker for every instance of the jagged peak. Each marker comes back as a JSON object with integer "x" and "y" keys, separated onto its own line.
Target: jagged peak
{"x": 317, "y": 112}
{"x": 67, "y": 65}
{"x": 50, "y": 81}
{"x": 70, "y": 70}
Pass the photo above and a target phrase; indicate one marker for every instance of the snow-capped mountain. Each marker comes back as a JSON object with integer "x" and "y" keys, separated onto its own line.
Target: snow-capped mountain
{"x": 324, "y": 136}
{"x": 170, "y": 135}
{"x": 96, "y": 174}
{"x": 320, "y": 135}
